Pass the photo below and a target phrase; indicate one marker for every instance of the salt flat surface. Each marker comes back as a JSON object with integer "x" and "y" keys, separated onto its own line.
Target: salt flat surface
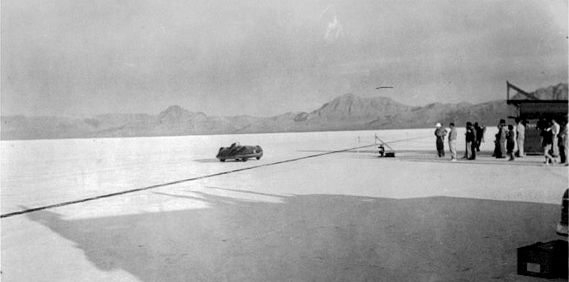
{"x": 302, "y": 212}
{"x": 43, "y": 172}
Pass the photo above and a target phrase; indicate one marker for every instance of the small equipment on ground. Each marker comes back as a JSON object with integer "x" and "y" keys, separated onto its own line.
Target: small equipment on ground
{"x": 382, "y": 145}
{"x": 547, "y": 260}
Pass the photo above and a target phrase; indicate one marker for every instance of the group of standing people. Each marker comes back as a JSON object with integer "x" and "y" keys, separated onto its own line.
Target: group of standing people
{"x": 554, "y": 141}
{"x": 474, "y": 137}
{"x": 510, "y": 140}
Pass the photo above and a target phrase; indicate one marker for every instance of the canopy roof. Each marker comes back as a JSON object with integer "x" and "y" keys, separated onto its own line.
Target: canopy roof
{"x": 555, "y": 94}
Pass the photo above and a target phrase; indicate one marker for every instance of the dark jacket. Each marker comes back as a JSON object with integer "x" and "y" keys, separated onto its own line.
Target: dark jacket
{"x": 547, "y": 137}
{"x": 470, "y": 134}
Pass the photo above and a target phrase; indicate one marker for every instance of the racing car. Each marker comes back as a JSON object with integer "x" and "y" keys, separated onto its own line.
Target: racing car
{"x": 239, "y": 153}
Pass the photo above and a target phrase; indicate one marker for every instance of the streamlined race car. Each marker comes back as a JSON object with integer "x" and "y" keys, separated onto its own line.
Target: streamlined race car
{"x": 239, "y": 153}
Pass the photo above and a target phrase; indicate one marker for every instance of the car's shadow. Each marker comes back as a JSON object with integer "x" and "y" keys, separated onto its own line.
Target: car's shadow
{"x": 213, "y": 160}
{"x": 218, "y": 161}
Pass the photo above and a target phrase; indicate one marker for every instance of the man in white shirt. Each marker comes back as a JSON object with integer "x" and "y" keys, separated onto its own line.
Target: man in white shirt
{"x": 520, "y": 137}
{"x": 563, "y": 144}
{"x": 452, "y": 142}
{"x": 555, "y": 130}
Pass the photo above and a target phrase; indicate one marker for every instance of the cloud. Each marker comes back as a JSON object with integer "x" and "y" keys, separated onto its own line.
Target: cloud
{"x": 334, "y": 28}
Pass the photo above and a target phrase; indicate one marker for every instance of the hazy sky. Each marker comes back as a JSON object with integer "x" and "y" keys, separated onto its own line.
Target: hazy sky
{"x": 268, "y": 57}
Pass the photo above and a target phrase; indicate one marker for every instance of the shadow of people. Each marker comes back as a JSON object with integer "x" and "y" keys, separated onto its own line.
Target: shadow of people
{"x": 313, "y": 238}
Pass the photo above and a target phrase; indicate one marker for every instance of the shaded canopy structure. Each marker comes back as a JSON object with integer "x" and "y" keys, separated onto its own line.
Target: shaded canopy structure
{"x": 536, "y": 107}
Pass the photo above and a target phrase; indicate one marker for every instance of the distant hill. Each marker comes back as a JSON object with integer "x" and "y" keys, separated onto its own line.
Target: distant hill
{"x": 353, "y": 108}
{"x": 347, "y": 112}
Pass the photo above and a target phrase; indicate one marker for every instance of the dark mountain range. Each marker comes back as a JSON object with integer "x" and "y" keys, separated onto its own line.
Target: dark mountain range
{"x": 347, "y": 112}
{"x": 352, "y": 108}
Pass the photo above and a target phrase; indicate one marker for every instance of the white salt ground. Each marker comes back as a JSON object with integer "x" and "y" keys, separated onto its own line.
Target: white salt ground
{"x": 334, "y": 216}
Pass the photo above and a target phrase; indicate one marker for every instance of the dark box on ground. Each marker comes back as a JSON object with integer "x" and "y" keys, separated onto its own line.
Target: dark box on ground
{"x": 547, "y": 260}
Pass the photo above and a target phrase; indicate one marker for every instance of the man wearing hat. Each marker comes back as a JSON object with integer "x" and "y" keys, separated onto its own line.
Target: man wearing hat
{"x": 440, "y": 133}
{"x": 501, "y": 140}
{"x": 470, "y": 138}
